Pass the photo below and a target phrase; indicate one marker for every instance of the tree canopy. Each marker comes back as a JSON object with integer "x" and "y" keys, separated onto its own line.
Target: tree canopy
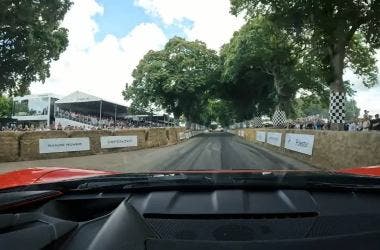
{"x": 30, "y": 38}
{"x": 263, "y": 68}
{"x": 177, "y": 79}
{"x": 5, "y": 106}
{"x": 340, "y": 33}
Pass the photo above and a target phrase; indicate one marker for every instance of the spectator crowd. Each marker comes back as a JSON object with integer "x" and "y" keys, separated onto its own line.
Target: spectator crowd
{"x": 93, "y": 122}
{"x": 366, "y": 123}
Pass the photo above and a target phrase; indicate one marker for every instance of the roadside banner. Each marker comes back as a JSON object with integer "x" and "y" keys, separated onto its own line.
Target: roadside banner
{"x": 58, "y": 145}
{"x": 182, "y": 135}
{"x": 274, "y": 138}
{"x": 260, "y": 136}
{"x": 118, "y": 141}
{"x": 300, "y": 142}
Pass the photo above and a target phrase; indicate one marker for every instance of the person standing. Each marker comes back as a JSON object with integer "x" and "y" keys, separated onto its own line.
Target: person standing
{"x": 375, "y": 123}
{"x": 366, "y": 124}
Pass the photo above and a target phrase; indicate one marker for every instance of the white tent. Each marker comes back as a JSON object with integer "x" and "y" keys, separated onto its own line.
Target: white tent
{"x": 78, "y": 96}
{"x": 87, "y": 104}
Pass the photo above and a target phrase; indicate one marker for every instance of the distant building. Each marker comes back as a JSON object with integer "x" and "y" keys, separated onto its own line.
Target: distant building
{"x": 34, "y": 109}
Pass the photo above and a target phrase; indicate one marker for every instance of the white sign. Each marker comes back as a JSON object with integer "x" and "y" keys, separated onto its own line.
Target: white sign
{"x": 260, "y": 136}
{"x": 241, "y": 133}
{"x": 57, "y": 145}
{"x": 118, "y": 141}
{"x": 300, "y": 142}
{"x": 274, "y": 138}
{"x": 181, "y": 135}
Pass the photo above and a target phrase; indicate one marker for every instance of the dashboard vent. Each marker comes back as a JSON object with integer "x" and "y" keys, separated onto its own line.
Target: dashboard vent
{"x": 231, "y": 227}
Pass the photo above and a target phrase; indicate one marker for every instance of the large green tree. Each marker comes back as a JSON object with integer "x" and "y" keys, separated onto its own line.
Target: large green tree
{"x": 5, "y": 106}
{"x": 339, "y": 33}
{"x": 178, "y": 78}
{"x": 261, "y": 46}
{"x": 263, "y": 68}
{"x": 30, "y": 38}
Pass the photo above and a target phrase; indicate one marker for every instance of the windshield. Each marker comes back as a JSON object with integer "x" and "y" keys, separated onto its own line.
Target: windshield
{"x": 189, "y": 85}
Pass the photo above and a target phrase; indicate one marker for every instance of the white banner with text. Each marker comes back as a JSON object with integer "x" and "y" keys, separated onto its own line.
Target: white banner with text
{"x": 274, "y": 138}
{"x": 58, "y": 145}
{"x": 260, "y": 136}
{"x": 300, "y": 142}
{"x": 118, "y": 141}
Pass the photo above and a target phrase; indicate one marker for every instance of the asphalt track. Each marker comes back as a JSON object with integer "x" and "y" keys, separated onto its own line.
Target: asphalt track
{"x": 226, "y": 151}
{"x": 202, "y": 152}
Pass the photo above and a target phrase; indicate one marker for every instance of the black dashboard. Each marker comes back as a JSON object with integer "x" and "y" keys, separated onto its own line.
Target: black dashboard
{"x": 218, "y": 219}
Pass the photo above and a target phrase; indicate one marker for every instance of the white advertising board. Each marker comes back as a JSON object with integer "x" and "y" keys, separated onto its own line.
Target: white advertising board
{"x": 274, "y": 138}
{"x": 181, "y": 135}
{"x": 118, "y": 141}
{"x": 241, "y": 133}
{"x": 260, "y": 136}
{"x": 57, "y": 145}
{"x": 300, "y": 142}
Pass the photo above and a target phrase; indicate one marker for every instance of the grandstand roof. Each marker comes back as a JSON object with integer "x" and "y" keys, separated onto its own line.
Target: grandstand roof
{"x": 78, "y": 96}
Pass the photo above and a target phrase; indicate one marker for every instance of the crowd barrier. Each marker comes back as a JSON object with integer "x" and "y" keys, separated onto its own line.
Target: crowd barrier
{"x": 18, "y": 146}
{"x": 320, "y": 148}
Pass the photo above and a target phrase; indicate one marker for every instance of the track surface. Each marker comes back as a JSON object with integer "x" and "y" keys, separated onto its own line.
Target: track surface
{"x": 205, "y": 151}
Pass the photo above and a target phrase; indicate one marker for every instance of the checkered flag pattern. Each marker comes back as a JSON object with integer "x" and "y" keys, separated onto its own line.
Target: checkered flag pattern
{"x": 257, "y": 122}
{"x": 336, "y": 109}
{"x": 279, "y": 119}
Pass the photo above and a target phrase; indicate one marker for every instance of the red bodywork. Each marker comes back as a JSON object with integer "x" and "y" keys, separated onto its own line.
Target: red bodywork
{"x": 31, "y": 176}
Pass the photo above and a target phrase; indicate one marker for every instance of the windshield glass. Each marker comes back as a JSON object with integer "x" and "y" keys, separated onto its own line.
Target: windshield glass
{"x": 189, "y": 85}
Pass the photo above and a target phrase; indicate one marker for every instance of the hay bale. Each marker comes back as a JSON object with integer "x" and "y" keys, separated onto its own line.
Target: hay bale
{"x": 172, "y": 135}
{"x": 29, "y": 145}
{"x": 153, "y": 138}
{"x": 162, "y": 137}
{"x": 9, "y": 146}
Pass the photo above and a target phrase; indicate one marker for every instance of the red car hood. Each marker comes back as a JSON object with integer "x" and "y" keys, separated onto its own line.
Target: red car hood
{"x": 30, "y": 176}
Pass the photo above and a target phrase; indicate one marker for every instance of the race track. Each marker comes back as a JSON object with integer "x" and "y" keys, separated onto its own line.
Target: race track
{"x": 205, "y": 151}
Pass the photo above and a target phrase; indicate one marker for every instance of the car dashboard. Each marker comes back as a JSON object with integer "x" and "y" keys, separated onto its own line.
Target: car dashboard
{"x": 214, "y": 219}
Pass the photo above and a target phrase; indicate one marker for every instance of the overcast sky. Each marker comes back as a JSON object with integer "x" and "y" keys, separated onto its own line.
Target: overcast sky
{"x": 107, "y": 38}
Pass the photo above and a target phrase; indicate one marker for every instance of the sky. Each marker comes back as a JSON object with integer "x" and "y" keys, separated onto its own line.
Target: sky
{"x": 107, "y": 39}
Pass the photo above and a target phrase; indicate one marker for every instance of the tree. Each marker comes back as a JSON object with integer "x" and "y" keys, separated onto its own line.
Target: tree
{"x": 309, "y": 105}
{"x": 261, "y": 46}
{"x": 339, "y": 33}
{"x": 352, "y": 110}
{"x": 177, "y": 79}
{"x": 30, "y": 38}
{"x": 313, "y": 105}
{"x": 220, "y": 111}
{"x": 5, "y": 106}
{"x": 264, "y": 64}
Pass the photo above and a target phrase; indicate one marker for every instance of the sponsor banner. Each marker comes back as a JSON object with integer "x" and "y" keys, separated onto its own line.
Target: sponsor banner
{"x": 181, "y": 135}
{"x": 241, "y": 133}
{"x": 260, "y": 136}
{"x": 118, "y": 141}
{"x": 58, "y": 145}
{"x": 274, "y": 138}
{"x": 300, "y": 142}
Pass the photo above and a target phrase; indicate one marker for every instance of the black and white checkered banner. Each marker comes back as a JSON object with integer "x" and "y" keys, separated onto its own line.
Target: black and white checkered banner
{"x": 279, "y": 119}
{"x": 257, "y": 122}
{"x": 336, "y": 109}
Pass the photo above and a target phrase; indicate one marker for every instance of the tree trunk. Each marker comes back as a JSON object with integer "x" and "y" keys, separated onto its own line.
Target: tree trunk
{"x": 279, "y": 116}
{"x": 337, "y": 91}
{"x": 187, "y": 122}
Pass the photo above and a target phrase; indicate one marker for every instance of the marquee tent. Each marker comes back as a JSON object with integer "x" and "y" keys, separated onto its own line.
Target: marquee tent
{"x": 87, "y": 104}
